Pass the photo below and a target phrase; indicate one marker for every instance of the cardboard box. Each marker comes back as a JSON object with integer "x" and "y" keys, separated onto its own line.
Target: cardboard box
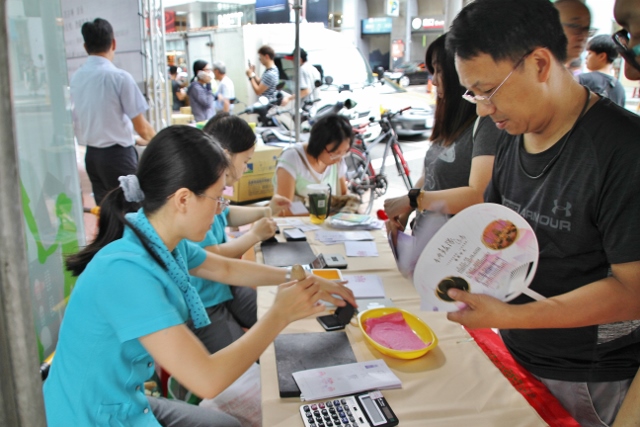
{"x": 257, "y": 181}
{"x": 181, "y": 119}
{"x": 263, "y": 160}
{"x": 250, "y": 188}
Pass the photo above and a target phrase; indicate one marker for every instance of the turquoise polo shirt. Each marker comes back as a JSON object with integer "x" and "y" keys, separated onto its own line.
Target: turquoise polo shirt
{"x": 213, "y": 293}
{"x": 98, "y": 373}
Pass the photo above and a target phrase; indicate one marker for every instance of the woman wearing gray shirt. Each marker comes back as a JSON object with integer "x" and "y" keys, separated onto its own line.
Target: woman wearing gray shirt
{"x": 459, "y": 162}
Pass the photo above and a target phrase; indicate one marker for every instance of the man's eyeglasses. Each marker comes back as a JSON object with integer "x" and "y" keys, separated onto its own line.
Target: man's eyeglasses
{"x": 486, "y": 100}
{"x": 578, "y": 30}
{"x": 621, "y": 39}
{"x": 222, "y": 202}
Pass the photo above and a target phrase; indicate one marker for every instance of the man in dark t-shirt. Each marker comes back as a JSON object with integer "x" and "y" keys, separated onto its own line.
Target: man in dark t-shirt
{"x": 601, "y": 52}
{"x": 571, "y": 170}
{"x": 179, "y": 94}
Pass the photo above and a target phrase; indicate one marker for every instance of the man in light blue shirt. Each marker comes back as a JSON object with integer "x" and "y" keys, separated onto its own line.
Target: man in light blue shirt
{"x": 108, "y": 106}
{"x": 226, "y": 93}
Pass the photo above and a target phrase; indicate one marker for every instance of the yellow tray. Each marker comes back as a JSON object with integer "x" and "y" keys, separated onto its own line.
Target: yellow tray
{"x": 416, "y": 324}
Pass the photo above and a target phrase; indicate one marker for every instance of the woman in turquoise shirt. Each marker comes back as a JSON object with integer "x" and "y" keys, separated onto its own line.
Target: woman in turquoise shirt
{"x": 232, "y": 308}
{"x": 133, "y": 296}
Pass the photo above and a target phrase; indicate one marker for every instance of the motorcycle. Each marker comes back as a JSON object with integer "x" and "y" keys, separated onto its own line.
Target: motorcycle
{"x": 264, "y": 105}
{"x": 283, "y": 118}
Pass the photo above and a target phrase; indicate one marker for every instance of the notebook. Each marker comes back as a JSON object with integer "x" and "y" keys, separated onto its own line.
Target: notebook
{"x": 279, "y": 254}
{"x": 299, "y": 352}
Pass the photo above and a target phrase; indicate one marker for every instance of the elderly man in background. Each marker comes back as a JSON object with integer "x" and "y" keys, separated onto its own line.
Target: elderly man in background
{"x": 226, "y": 93}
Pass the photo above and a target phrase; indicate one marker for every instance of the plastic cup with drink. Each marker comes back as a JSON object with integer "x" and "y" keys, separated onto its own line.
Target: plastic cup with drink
{"x": 319, "y": 202}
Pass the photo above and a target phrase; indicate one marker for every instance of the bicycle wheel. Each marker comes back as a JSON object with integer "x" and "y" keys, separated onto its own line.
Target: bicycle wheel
{"x": 360, "y": 179}
{"x": 402, "y": 166}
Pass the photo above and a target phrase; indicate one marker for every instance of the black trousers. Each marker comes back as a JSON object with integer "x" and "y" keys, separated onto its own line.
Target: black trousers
{"x": 105, "y": 165}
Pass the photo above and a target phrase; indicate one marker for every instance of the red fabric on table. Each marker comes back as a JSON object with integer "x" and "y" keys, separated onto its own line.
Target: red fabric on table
{"x": 536, "y": 393}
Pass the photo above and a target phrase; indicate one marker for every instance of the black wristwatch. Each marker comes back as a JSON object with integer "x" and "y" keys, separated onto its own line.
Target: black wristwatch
{"x": 414, "y": 193}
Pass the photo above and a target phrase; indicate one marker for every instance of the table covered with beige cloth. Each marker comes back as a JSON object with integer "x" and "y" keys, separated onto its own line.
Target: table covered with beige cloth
{"x": 453, "y": 385}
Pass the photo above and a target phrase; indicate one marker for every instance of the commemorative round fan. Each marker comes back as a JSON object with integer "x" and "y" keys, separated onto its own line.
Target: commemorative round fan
{"x": 485, "y": 249}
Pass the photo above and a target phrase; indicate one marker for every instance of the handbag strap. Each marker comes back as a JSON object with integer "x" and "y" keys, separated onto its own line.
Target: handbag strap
{"x": 311, "y": 171}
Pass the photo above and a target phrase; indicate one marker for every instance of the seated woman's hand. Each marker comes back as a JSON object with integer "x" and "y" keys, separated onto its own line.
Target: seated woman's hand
{"x": 279, "y": 204}
{"x": 329, "y": 288}
{"x": 264, "y": 228}
{"x": 298, "y": 299}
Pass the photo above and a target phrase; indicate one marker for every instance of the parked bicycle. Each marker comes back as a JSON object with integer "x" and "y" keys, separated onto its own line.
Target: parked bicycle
{"x": 362, "y": 178}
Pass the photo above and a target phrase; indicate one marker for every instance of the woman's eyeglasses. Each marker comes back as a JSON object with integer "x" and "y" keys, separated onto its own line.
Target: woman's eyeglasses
{"x": 334, "y": 156}
{"x": 621, "y": 39}
{"x": 222, "y": 202}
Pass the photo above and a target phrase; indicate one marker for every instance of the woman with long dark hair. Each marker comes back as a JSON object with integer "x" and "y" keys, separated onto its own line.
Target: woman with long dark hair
{"x": 459, "y": 162}
{"x": 133, "y": 296}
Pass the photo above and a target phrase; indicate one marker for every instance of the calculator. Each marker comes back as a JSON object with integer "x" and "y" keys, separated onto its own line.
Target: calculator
{"x": 368, "y": 409}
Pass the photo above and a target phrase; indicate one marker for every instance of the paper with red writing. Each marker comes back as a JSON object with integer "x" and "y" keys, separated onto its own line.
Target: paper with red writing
{"x": 485, "y": 249}
{"x": 341, "y": 380}
{"x": 365, "y": 285}
{"x": 361, "y": 249}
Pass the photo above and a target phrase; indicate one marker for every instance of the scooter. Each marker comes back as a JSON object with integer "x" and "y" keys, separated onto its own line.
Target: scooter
{"x": 264, "y": 105}
{"x": 284, "y": 132}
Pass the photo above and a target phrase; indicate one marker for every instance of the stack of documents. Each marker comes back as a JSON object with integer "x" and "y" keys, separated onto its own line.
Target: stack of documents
{"x": 361, "y": 249}
{"x": 342, "y": 380}
{"x": 335, "y": 237}
{"x": 365, "y": 285}
{"x": 355, "y": 222}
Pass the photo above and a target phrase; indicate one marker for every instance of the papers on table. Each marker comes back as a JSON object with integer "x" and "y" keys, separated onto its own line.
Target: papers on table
{"x": 289, "y": 222}
{"x": 296, "y": 223}
{"x": 361, "y": 249}
{"x": 355, "y": 222}
{"x": 342, "y": 380}
{"x": 365, "y": 285}
{"x": 298, "y": 208}
{"x": 334, "y": 237}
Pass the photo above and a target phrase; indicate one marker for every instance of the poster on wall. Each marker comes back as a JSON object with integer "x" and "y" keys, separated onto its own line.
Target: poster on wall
{"x": 51, "y": 199}
{"x": 392, "y": 7}
{"x": 124, "y": 17}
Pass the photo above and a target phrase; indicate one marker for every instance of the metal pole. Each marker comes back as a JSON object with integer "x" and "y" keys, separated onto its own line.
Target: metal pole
{"x": 296, "y": 68}
{"x": 168, "y": 98}
{"x": 21, "y": 402}
{"x": 407, "y": 33}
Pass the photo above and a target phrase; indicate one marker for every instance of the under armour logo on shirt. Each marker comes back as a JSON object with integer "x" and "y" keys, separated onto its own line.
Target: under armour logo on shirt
{"x": 566, "y": 208}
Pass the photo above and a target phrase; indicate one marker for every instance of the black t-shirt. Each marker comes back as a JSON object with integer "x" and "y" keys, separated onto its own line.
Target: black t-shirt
{"x": 585, "y": 211}
{"x": 604, "y": 85}
{"x": 450, "y": 167}
{"x": 175, "y": 88}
